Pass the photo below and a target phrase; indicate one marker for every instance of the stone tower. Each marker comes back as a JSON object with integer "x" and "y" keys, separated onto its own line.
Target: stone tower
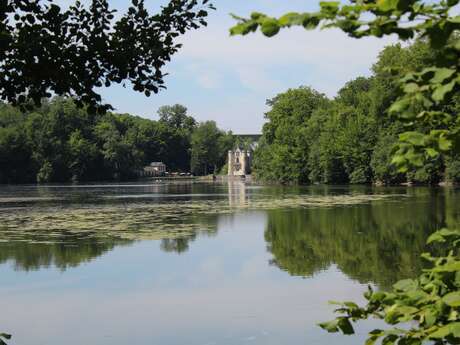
{"x": 239, "y": 162}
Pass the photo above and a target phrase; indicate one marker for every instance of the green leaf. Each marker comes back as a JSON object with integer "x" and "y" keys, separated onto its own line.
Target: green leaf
{"x": 371, "y": 340}
{"x": 257, "y": 15}
{"x": 5, "y": 335}
{"x": 444, "y": 144}
{"x": 441, "y": 91}
{"x": 345, "y": 326}
{"x": 441, "y": 74}
{"x": 290, "y": 19}
{"x": 414, "y": 138}
{"x": 431, "y": 152}
{"x": 429, "y": 317}
{"x": 452, "y": 299}
{"x": 331, "y": 326}
{"x": 387, "y": 5}
{"x": 405, "y": 285}
{"x": 449, "y": 267}
{"x": 351, "y": 305}
{"x": 455, "y": 329}
{"x": 455, "y": 20}
{"x": 330, "y": 8}
{"x": 411, "y": 88}
{"x": 440, "y": 236}
{"x": 243, "y": 28}
{"x": 441, "y": 332}
{"x": 270, "y": 27}
{"x": 436, "y": 237}
{"x": 399, "y": 313}
{"x": 310, "y": 22}
{"x": 400, "y": 105}
{"x": 389, "y": 339}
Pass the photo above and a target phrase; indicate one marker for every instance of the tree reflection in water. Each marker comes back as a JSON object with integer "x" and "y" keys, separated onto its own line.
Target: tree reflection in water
{"x": 373, "y": 243}
{"x": 376, "y": 241}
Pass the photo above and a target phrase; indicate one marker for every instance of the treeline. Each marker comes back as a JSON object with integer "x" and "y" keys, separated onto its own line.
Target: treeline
{"x": 60, "y": 142}
{"x": 312, "y": 139}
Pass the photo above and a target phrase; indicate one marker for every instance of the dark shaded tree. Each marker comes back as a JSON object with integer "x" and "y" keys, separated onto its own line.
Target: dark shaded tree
{"x": 46, "y": 50}
{"x": 210, "y": 146}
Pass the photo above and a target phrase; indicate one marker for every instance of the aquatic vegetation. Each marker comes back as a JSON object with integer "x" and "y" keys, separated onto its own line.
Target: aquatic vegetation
{"x": 146, "y": 220}
{"x": 42, "y": 232}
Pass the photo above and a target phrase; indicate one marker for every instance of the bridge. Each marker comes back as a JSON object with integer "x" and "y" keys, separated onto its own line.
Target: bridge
{"x": 249, "y": 140}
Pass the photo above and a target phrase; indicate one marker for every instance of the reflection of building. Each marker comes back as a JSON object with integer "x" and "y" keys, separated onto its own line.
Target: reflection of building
{"x": 155, "y": 169}
{"x": 239, "y": 162}
{"x": 237, "y": 193}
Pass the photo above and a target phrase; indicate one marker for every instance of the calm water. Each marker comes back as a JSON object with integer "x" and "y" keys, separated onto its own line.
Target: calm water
{"x": 202, "y": 264}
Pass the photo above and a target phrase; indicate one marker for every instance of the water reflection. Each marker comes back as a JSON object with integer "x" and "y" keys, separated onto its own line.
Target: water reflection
{"x": 376, "y": 242}
{"x": 369, "y": 237}
{"x": 30, "y": 256}
{"x": 103, "y": 264}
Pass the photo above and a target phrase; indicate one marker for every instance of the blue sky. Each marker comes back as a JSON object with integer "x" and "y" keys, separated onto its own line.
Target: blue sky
{"x": 228, "y": 79}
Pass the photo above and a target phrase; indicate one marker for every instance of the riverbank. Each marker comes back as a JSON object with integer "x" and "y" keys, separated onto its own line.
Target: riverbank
{"x": 225, "y": 178}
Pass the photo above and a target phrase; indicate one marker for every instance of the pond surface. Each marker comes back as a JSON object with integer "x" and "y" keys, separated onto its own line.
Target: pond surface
{"x": 202, "y": 264}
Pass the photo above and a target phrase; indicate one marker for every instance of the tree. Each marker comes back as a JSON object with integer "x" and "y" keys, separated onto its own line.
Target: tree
{"x": 428, "y": 306}
{"x": 59, "y": 142}
{"x": 423, "y": 96}
{"x": 83, "y": 153}
{"x": 47, "y": 50}
{"x": 179, "y": 127}
{"x": 283, "y": 153}
{"x": 210, "y": 146}
{"x": 176, "y": 117}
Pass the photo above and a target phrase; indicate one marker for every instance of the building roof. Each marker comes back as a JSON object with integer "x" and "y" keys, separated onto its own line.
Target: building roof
{"x": 156, "y": 164}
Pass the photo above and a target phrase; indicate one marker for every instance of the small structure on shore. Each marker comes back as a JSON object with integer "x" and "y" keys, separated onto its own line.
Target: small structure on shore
{"x": 240, "y": 159}
{"x": 239, "y": 162}
{"x": 155, "y": 169}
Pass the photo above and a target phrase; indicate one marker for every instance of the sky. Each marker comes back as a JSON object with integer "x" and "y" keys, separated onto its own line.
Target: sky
{"x": 228, "y": 79}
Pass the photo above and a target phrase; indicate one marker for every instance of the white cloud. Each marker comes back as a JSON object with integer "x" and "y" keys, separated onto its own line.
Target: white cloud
{"x": 228, "y": 79}
{"x": 330, "y": 52}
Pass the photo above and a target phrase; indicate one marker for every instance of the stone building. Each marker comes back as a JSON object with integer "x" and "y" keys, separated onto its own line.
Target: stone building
{"x": 155, "y": 169}
{"x": 239, "y": 162}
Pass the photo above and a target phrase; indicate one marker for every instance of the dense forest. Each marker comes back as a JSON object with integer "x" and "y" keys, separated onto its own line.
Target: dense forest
{"x": 60, "y": 142}
{"x": 349, "y": 139}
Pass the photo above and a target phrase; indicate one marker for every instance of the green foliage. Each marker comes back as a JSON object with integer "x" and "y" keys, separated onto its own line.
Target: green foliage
{"x": 453, "y": 169}
{"x": 60, "y": 142}
{"x": 282, "y": 154}
{"x": 423, "y": 96}
{"x": 180, "y": 126}
{"x": 4, "y": 337}
{"x": 210, "y": 146}
{"x": 352, "y": 138}
{"x": 428, "y": 306}
{"x": 384, "y": 172}
{"x": 47, "y": 50}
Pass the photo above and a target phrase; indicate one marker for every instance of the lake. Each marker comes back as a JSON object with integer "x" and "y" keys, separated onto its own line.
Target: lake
{"x": 201, "y": 263}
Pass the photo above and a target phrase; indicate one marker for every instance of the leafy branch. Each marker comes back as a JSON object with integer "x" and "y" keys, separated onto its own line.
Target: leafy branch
{"x": 48, "y": 51}
{"x": 4, "y": 337}
{"x": 429, "y": 305}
